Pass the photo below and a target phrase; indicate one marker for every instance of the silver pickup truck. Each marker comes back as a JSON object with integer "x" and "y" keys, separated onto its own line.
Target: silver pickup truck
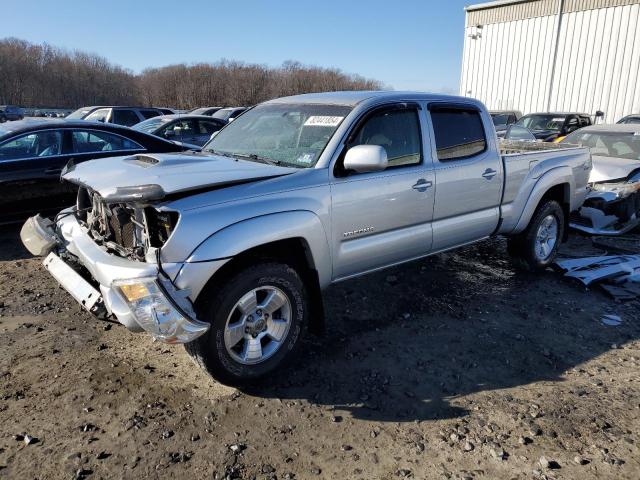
{"x": 227, "y": 250}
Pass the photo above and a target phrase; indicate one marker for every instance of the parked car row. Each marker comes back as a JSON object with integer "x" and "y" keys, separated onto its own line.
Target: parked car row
{"x": 190, "y": 130}
{"x": 120, "y": 115}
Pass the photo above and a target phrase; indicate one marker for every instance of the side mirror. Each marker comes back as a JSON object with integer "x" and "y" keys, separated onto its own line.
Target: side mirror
{"x": 599, "y": 114}
{"x": 366, "y": 158}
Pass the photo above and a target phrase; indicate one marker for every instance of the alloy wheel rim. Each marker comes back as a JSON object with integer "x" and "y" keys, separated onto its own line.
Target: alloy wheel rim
{"x": 257, "y": 325}
{"x": 546, "y": 237}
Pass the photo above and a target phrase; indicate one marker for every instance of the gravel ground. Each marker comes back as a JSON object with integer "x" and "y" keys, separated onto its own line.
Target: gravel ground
{"x": 454, "y": 367}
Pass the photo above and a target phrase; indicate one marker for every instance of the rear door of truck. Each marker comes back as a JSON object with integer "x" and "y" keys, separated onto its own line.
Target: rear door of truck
{"x": 469, "y": 174}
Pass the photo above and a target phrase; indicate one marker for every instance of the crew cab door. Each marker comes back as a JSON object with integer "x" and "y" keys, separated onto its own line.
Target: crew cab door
{"x": 382, "y": 218}
{"x": 468, "y": 175}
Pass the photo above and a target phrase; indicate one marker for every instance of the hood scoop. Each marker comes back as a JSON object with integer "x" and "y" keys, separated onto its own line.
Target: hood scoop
{"x": 143, "y": 160}
{"x": 151, "y": 177}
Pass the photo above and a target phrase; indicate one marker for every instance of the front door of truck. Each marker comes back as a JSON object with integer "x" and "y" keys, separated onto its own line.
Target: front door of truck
{"x": 468, "y": 175}
{"x": 382, "y": 218}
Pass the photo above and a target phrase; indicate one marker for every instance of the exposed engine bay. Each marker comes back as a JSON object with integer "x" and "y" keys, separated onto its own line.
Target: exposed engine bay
{"x": 612, "y": 207}
{"x": 129, "y": 230}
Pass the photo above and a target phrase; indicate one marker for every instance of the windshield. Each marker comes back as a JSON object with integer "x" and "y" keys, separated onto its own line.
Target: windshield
{"x": 293, "y": 135}
{"x": 204, "y": 110}
{"x": 79, "y": 114}
{"x": 608, "y": 144}
{"x": 151, "y": 125}
{"x": 542, "y": 122}
{"x": 500, "y": 119}
{"x": 223, "y": 114}
{"x": 630, "y": 120}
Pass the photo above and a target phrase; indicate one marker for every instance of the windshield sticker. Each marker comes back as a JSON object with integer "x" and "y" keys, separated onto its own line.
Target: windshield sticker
{"x": 306, "y": 158}
{"x": 322, "y": 121}
{"x": 558, "y": 120}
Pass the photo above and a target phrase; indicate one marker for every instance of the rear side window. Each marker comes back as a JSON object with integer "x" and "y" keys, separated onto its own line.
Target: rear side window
{"x": 397, "y": 131}
{"x": 40, "y": 144}
{"x": 92, "y": 141}
{"x": 149, "y": 113}
{"x": 98, "y": 116}
{"x": 125, "y": 117}
{"x": 205, "y": 127}
{"x": 458, "y": 133}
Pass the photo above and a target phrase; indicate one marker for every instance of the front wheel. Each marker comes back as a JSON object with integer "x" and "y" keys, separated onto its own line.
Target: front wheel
{"x": 537, "y": 246}
{"x": 257, "y": 321}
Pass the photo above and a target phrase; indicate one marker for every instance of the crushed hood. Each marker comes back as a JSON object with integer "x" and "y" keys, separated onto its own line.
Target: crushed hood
{"x": 611, "y": 168}
{"x": 151, "y": 177}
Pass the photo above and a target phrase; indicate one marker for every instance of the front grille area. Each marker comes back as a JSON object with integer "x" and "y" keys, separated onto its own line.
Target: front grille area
{"x": 125, "y": 229}
{"x": 117, "y": 227}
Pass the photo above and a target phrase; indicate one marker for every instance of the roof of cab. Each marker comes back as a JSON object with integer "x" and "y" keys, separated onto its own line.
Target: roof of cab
{"x": 353, "y": 98}
{"x": 613, "y": 128}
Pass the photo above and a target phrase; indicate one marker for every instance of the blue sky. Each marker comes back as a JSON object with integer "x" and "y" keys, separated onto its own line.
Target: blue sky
{"x": 412, "y": 44}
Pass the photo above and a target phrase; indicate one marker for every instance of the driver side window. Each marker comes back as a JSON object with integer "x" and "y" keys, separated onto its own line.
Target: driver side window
{"x": 397, "y": 131}
{"x": 40, "y": 144}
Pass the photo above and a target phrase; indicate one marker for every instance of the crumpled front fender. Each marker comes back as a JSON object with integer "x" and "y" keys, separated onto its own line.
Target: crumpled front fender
{"x": 254, "y": 232}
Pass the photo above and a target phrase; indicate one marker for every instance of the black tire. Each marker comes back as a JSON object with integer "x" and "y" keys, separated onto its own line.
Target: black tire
{"x": 209, "y": 351}
{"x": 2, "y": 119}
{"x": 522, "y": 247}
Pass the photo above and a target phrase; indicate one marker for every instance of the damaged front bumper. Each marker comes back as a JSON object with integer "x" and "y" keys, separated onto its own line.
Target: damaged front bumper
{"x": 134, "y": 292}
{"x": 610, "y": 208}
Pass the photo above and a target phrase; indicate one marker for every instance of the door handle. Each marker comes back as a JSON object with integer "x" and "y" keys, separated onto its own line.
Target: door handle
{"x": 489, "y": 173}
{"x": 53, "y": 171}
{"x": 422, "y": 185}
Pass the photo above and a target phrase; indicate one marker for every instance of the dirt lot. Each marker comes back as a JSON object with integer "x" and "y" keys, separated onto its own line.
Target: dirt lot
{"x": 456, "y": 367}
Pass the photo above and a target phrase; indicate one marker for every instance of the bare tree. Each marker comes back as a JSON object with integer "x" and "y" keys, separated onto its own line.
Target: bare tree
{"x": 44, "y": 76}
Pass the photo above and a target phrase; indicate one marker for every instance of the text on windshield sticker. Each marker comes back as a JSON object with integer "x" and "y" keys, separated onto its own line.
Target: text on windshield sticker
{"x": 322, "y": 121}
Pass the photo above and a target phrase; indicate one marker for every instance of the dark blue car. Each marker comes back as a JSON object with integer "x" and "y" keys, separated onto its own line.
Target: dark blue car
{"x": 9, "y": 112}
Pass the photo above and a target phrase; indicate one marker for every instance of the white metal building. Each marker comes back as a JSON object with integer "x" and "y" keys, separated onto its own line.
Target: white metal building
{"x": 554, "y": 55}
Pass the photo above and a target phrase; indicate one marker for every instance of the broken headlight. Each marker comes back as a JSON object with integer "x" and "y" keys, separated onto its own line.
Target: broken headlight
{"x": 169, "y": 319}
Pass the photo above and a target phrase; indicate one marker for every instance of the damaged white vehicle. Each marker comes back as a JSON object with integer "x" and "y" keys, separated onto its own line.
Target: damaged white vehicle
{"x": 612, "y": 206}
{"x": 227, "y": 250}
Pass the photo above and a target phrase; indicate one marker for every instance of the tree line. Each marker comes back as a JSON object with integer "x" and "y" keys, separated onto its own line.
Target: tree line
{"x": 33, "y": 75}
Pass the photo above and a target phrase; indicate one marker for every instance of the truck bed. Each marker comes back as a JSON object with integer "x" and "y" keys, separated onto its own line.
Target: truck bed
{"x": 514, "y": 147}
{"x": 525, "y": 162}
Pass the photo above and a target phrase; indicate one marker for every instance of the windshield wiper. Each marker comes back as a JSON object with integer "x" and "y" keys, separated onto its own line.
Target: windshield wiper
{"x": 222, "y": 154}
{"x": 254, "y": 157}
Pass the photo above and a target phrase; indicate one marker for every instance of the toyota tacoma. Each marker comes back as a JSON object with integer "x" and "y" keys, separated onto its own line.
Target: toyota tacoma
{"x": 228, "y": 250}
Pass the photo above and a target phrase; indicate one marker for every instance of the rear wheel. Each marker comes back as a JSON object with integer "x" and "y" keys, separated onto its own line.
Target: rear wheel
{"x": 536, "y": 248}
{"x": 257, "y": 321}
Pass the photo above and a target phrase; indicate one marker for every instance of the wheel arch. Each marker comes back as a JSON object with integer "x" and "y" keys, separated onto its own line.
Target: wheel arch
{"x": 295, "y": 238}
{"x": 554, "y": 185}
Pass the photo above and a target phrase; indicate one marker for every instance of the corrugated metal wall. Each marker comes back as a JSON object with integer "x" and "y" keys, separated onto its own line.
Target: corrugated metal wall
{"x": 597, "y": 68}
